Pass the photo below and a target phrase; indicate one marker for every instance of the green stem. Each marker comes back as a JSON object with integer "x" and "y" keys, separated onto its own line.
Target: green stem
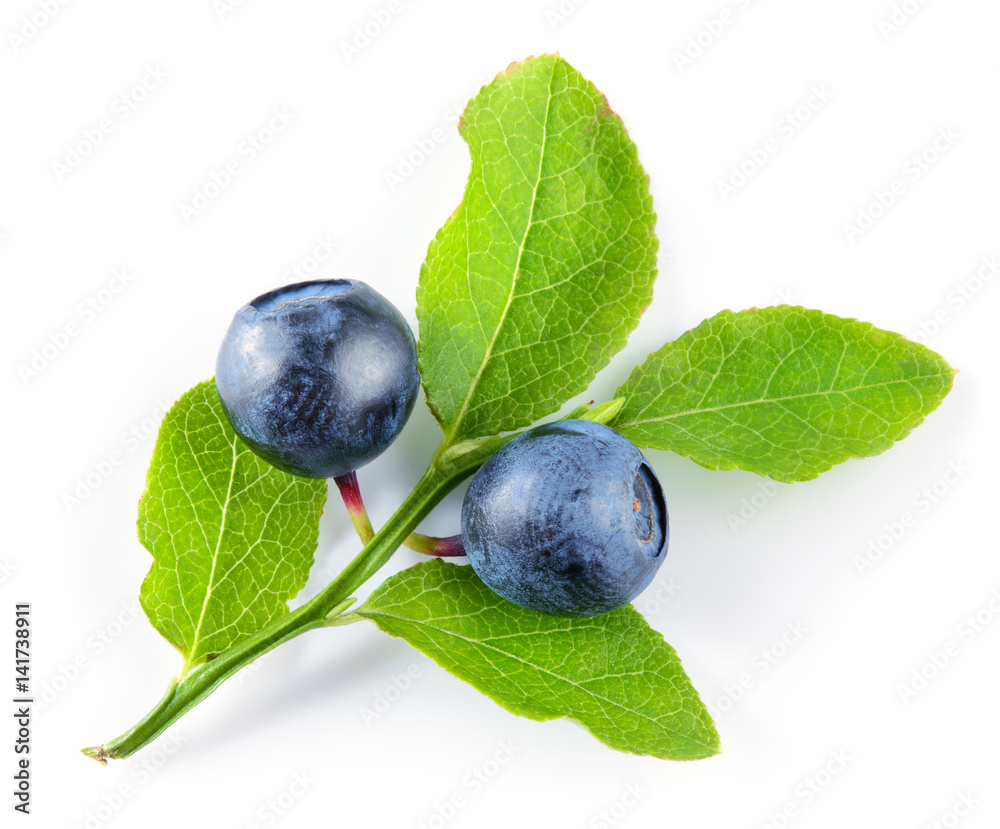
{"x": 450, "y": 465}
{"x": 429, "y": 545}
{"x": 188, "y": 691}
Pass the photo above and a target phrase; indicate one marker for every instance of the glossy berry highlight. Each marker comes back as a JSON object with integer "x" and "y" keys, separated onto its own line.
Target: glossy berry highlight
{"x": 318, "y": 377}
{"x": 568, "y": 519}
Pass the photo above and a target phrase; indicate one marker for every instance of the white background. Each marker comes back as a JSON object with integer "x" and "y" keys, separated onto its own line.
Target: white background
{"x": 822, "y": 730}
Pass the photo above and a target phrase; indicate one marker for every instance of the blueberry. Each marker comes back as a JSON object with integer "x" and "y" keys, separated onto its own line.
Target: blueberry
{"x": 318, "y": 377}
{"x": 568, "y": 518}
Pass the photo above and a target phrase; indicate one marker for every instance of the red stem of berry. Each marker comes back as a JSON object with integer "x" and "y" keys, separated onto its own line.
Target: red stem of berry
{"x": 429, "y": 545}
{"x": 433, "y": 546}
{"x": 351, "y": 493}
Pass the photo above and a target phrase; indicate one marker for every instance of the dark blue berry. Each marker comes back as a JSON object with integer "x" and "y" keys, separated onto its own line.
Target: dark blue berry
{"x": 567, "y": 519}
{"x": 318, "y": 377}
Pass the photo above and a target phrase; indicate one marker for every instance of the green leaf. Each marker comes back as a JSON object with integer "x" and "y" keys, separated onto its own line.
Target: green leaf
{"x": 232, "y": 537}
{"x": 539, "y": 276}
{"x": 781, "y": 391}
{"x": 612, "y": 673}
